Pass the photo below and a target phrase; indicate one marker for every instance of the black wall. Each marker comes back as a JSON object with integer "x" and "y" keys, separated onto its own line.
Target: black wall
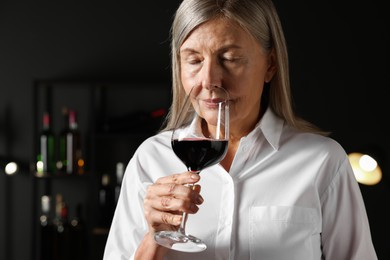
{"x": 339, "y": 55}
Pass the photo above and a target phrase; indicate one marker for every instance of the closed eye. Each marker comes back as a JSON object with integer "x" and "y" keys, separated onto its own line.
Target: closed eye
{"x": 193, "y": 61}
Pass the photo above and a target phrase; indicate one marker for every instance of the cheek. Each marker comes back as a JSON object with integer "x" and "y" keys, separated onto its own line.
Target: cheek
{"x": 247, "y": 99}
{"x": 245, "y": 88}
{"x": 246, "y": 81}
{"x": 187, "y": 81}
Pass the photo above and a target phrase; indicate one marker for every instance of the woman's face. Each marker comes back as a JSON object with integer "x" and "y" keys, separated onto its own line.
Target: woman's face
{"x": 220, "y": 53}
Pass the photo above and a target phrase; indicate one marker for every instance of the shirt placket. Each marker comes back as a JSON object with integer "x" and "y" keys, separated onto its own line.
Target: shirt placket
{"x": 225, "y": 222}
{"x": 225, "y": 232}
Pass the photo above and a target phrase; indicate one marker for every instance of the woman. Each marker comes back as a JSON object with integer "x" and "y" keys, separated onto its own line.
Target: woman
{"x": 284, "y": 189}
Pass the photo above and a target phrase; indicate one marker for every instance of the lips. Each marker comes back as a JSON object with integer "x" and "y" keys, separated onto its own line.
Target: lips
{"x": 212, "y": 103}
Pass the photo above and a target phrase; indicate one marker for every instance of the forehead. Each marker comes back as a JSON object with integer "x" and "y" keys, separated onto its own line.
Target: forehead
{"x": 217, "y": 33}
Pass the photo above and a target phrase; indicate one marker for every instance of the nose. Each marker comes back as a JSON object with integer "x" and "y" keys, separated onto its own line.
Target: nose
{"x": 211, "y": 74}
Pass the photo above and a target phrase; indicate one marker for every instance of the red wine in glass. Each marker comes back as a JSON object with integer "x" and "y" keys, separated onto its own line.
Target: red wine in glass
{"x": 198, "y": 154}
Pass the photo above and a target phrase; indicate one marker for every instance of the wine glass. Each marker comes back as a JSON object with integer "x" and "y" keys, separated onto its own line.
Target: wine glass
{"x": 199, "y": 139}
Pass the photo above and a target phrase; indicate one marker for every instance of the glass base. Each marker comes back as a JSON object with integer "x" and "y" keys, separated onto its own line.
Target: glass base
{"x": 179, "y": 242}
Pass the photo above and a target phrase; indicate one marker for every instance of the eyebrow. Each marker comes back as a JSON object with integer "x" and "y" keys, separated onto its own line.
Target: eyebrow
{"x": 224, "y": 48}
{"x": 188, "y": 50}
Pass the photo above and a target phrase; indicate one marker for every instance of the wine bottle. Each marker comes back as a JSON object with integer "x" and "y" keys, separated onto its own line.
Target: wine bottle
{"x": 46, "y": 153}
{"x": 70, "y": 146}
{"x": 46, "y": 229}
{"x": 106, "y": 200}
{"x": 61, "y": 231}
{"x": 119, "y": 177}
{"x": 78, "y": 236}
{"x": 61, "y": 162}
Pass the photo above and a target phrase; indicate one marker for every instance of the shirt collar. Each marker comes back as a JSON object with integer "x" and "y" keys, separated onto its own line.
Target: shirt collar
{"x": 271, "y": 126}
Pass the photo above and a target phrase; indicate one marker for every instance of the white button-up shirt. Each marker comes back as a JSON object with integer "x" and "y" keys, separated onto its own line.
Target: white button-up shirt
{"x": 289, "y": 195}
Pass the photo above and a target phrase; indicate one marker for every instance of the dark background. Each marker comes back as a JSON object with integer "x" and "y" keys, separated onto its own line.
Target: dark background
{"x": 339, "y": 56}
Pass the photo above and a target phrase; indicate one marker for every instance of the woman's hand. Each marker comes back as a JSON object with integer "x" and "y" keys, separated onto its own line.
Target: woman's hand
{"x": 168, "y": 197}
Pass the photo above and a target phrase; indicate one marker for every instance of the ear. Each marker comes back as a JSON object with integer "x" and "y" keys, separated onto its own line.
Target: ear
{"x": 271, "y": 70}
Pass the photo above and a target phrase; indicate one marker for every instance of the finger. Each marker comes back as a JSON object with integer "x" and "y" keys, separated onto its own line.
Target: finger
{"x": 168, "y": 189}
{"x": 180, "y": 178}
{"x": 173, "y": 204}
{"x": 173, "y": 185}
{"x": 185, "y": 193}
{"x": 197, "y": 198}
{"x": 160, "y": 219}
{"x": 196, "y": 188}
{"x": 185, "y": 201}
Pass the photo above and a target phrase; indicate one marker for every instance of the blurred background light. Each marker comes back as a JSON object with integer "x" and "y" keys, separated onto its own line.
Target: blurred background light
{"x": 11, "y": 168}
{"x": 366, "y": 168}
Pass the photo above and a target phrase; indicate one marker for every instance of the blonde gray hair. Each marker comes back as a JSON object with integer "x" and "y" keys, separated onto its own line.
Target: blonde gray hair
{"x": 260, "y": 19}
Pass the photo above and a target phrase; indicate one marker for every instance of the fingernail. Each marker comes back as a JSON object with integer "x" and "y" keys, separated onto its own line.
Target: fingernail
{"x": 199, "y": 200}
{"x": 193, "y": 208}
{"x": 177, "y": 220}
{"x": 194, "y": 176}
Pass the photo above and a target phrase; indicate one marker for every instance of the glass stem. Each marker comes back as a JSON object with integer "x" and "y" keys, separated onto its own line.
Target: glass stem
{"x": 182, "y": 228}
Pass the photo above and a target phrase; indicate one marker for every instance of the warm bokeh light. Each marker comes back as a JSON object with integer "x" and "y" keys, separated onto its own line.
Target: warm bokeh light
{"x": 80, "y": 166}
{"x": 365, "y": 168}
{"x": 367, "y": 163}
{"x": 80, "y": 163}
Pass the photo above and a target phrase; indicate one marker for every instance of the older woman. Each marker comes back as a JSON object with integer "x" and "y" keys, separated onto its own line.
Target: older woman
{"x": 283, "y": 191}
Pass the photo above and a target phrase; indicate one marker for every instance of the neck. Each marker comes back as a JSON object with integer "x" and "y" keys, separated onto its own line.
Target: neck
{"x": 237, "y": 131}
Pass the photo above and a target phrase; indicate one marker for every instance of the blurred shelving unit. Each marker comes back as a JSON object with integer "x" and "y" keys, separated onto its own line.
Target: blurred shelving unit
{"x": 114, "y": 117}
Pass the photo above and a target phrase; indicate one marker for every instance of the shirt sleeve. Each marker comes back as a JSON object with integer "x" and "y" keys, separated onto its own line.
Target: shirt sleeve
{"x": 345, "y": 231}
{"x": 128, "y": 225}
